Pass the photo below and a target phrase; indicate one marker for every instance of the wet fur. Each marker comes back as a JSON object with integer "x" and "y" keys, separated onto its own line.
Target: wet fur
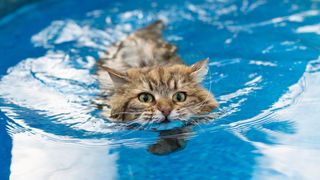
{"x": 144, "y": 62}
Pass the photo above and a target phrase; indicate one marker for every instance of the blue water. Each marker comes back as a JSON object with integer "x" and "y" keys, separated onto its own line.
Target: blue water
{"x": 264, "y": 71}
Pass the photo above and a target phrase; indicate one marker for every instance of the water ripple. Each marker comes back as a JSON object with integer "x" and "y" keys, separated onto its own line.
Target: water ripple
{"x": 264, "y": 71}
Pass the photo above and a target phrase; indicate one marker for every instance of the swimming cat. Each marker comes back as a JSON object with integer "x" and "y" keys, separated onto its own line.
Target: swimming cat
{"x": 144, "y": 80}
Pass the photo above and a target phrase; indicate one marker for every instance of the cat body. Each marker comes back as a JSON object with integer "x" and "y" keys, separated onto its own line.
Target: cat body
{"x": 144, "y": 48}
{"x": 142, "y": 79}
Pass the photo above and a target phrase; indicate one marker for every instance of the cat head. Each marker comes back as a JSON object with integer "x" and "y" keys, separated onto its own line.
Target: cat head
{"x": 160, "y": 94}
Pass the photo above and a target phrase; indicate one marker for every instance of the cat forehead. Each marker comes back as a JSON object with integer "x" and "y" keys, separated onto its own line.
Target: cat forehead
{"x": 159, "y": 73}
{"x": 162, "y": 80}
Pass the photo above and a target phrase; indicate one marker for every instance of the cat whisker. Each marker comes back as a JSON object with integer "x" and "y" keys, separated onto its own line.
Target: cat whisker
{"x": 198, "y": 125}
{"x": 132, "y": 112}
{"x": 199, "y": 104}
{"x": 128, "y": 112}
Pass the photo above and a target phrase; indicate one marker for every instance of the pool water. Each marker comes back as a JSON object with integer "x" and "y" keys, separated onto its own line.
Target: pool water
{"x": 264, "y": 71}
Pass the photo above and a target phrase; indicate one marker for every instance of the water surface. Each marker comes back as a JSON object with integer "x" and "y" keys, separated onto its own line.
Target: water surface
{"x": 264, "y": 71}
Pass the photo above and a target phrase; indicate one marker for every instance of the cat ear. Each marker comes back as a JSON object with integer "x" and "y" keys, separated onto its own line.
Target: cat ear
{"x": 200, "y": 70}
{"x": 118, "y": 78}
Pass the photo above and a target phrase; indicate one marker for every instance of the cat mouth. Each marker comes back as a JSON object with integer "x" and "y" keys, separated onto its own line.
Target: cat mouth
{"x": 165, "y": 120}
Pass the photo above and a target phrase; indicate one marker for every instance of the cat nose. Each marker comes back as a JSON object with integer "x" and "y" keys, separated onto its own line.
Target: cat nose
{"x": 165, "y": 111}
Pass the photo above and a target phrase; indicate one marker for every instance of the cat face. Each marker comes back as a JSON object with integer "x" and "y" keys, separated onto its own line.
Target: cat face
{"x": 160, "y": 94}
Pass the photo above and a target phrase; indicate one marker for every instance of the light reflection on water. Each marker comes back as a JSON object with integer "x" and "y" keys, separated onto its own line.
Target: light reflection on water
{"x": 264, "y": 70}
{"x": 296, "y": 154}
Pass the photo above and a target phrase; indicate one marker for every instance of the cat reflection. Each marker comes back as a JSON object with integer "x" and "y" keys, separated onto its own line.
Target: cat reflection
{"x": 170, "y": 141}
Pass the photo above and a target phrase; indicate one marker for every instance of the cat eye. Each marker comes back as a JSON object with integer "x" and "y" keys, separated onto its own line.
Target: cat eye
{"x": 145, "y": 98}
{"x": 179, "y": 97}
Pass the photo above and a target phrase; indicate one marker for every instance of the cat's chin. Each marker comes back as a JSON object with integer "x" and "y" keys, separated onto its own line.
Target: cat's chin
{"x": 165, "y": 121}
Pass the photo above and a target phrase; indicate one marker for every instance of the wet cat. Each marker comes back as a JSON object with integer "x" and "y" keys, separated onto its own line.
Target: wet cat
{"x": 145, "y": 81}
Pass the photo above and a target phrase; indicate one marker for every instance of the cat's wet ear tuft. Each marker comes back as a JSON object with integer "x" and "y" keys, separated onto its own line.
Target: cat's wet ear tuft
{"x": 199, "y": 70}
{"x": 118, "y": 78}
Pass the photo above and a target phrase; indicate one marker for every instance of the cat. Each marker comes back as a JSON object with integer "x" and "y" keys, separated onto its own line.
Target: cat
{"x": 142, "y": 79}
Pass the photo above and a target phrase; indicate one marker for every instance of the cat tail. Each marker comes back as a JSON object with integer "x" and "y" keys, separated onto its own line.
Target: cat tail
{"x": 153, "y": 30}
{"x": 164, "y": 51}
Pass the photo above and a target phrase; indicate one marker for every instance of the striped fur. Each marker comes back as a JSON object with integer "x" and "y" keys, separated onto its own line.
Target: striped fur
{"x": 144, "y": 62}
